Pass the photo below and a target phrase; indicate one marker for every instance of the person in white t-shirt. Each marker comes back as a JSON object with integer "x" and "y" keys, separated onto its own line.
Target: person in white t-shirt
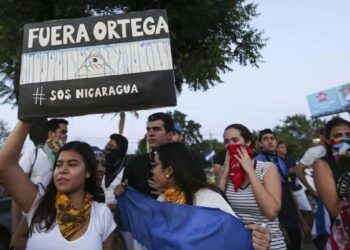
{"x": 37, "y": 163}
{"x": 64, "y": 216}
{"x": 308, "y": 159}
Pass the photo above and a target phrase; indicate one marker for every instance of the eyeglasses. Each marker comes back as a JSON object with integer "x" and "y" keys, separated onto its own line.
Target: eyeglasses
{"x": 154, "y": 164}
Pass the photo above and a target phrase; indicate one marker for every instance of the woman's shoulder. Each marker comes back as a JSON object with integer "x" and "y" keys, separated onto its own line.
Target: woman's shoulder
{"x": 207, "y": 194}
{"x": 100, "y": 206}
{"x": 262, "y": 168}
{"x": 206, "y": 197}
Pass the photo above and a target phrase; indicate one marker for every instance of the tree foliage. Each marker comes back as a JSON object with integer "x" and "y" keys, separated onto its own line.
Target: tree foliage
{"x": 298, "y": 133}
{"x": 206, "y": 36}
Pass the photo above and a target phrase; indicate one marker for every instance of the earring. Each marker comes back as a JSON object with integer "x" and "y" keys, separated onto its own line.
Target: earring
{"x": 167, "y": 176}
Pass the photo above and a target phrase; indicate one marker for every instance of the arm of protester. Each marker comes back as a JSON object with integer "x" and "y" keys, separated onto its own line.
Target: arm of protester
{"x": 299, "y": 172}
{"x": 12, "y": 173}
{"x": 120, "y": 189}
{"x": 217, "y": 170}
{"x": 261, "y": 236}
{"x": 267, "y": 193}
{"x": 112, "y": 206}
{"x": 326, "y": 187}
{"x": 221, "y": 183}
{"x": 108, "y": 243}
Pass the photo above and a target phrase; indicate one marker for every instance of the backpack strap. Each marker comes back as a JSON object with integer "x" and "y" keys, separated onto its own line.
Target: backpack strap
{"x": 36, "y": 155}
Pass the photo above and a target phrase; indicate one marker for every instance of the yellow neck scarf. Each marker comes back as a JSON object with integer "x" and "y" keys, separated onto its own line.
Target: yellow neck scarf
{"x": 69, "y": 218}
{"x": 174, "y": 195}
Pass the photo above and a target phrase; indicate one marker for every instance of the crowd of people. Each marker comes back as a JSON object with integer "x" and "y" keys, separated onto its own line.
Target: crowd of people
{"x": 65, "y": 195}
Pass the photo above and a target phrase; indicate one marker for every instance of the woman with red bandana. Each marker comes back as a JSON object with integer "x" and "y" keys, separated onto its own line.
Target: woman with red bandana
{"x": 332, "y": 181}
{"x": 64, "y": 215}
{"x": 252, "y": 187}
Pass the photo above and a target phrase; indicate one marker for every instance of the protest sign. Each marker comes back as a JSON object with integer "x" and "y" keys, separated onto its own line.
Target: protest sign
{"x": 96, "y": 64}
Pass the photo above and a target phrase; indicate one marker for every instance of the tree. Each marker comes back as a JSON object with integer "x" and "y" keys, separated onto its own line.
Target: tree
{"x": 206, "y": 36}
{"x": 298, "y": 133}
{"x": 4, "y": 131}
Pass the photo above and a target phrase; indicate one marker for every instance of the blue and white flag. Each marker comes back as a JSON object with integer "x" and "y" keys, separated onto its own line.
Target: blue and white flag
{"x": 148, "y": 224}
{"x": 209, "y": 155}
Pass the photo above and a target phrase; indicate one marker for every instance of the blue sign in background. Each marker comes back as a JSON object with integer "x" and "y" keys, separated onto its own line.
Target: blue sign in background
{"x": 344, "y": 95}
{"x": 325, "y": 102}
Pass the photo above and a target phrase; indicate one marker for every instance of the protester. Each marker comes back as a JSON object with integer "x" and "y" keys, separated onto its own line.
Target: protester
{"x": 304, "y": 207}
{"x": 308, "y": 159}
{"x": 288, "y": 216}
{"x": 178, "y": 135}
{"x": 321, "y": 222}
{"x": 160, "y": 130}
{"x": 174, "y": 174}
{"x": 115, "y": 155}
{"x": 64, "y": 216}
{"x": 100, "y": 173}
{"x": 332, "y": 178}
{"x": 48, "y": 137}
{"x": 330, "y": 170}
{"x": 254, "y": 190}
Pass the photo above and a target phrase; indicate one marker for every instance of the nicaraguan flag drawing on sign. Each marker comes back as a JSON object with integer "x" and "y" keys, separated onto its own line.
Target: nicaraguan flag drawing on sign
{"x": 149, "y": 224}
{"x": 209, "y": 155}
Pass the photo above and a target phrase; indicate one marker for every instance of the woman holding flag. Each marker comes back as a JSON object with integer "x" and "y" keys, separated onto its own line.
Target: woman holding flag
{"x": 174, "y": 175}
{"x": 64, "y": 216}
{"x": 252, "y": 188}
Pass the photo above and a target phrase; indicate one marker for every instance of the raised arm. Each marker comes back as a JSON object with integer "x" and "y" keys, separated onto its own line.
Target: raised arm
{"x": 299, "y": 172}
{"x": 20, "y": 188}
{"x": 326, "y": 188}
{"x": 268, "y": 193}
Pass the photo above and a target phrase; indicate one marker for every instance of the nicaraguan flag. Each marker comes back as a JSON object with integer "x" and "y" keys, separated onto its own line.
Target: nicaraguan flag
{"x": 210, "y": 155}
{"x": 148, "y": 224}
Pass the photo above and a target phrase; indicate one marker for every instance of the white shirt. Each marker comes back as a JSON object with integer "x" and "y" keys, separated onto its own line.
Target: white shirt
{"x": 109, "y": 192}
{"x": 101, "y": 225}
{"x": 312, "y": 154}
{"x": 206, "y": 197}
{"x": 42, "y": 169}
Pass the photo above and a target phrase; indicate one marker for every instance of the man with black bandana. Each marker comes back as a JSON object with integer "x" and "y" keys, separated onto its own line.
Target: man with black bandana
{"x": 115, "y": 157}
{"x": 288, "y": 215}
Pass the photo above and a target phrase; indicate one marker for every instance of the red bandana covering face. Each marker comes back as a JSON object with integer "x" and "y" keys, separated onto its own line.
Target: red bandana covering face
{"x": 236, "y": 171}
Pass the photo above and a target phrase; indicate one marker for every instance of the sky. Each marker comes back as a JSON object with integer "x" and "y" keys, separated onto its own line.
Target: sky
{"x": 307, "y": 51}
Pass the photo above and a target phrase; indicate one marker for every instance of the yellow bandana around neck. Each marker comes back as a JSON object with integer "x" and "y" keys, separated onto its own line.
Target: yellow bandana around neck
{"x": 174, "y": 195}
{"x": 69, "y": 218}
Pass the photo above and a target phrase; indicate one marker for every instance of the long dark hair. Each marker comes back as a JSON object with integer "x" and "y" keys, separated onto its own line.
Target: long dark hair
{"x": 45, "y": 215}
{"x": 176, "y": 154}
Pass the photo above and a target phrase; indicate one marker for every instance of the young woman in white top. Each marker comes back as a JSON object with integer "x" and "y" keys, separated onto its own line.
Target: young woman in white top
{"x": 65, "y": 215}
